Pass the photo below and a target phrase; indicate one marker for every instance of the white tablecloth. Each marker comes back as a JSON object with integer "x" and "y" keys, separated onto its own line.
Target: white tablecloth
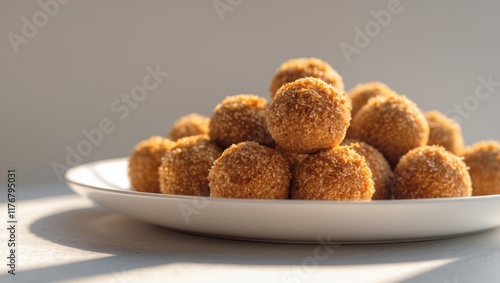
{"x": 65, "y": 238}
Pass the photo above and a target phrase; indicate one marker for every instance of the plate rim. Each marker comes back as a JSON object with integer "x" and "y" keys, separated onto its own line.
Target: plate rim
{"x": 424, "y": 201}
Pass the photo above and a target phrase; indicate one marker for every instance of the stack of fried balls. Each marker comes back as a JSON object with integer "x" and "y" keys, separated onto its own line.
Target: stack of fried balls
{"x": 314, "y": 141}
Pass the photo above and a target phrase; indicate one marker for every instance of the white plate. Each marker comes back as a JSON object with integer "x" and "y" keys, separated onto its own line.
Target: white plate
{"x": 298, "y": 221}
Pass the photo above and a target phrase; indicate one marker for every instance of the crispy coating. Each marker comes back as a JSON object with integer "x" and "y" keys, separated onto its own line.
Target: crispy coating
{"x": 361, "y": 93}
{"x": 338, "y": 173}
{"x": 240, "y": 118}
{"x": 189, "y": 125}
{"x": 294, "y": 69}
{"x": 293, "y": 159}
{"x": 143, "y": 163}
{"x": 444, "y": 132}
{"x": 431, "y": 172}
{"x": 394, "y": 125}
{"x": 250, "y": 170}
{"x": 380, "y": 168}
{"x": 308, "y": 115}
{"x": 184, "y": 168}
{"x": 483, "y": 159}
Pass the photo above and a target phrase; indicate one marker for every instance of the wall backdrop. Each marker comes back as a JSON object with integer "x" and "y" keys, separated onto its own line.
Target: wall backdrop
{"x": 73, "y": 73}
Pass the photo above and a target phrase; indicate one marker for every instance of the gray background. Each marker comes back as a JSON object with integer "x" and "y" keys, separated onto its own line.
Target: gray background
{"x": 66, "y": 77}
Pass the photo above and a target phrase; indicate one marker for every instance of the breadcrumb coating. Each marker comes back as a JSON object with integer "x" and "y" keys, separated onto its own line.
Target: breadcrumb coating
{"x": 483, "y": 159}
{"x": 444, "y": 132}
{"x": 249, "y": 170}
{"x": 431, "y": 172}
{"x": 394, "y": 125}
{"x": 143, "y": 163}
{"x": 293, "y": 159}
{"x": 240, "y": 118}
{"x": 338, "y": 173}
{"x": 380, "y": 168}
{"x": 361, "y": 93}
{"x": 308, "y": 115}
{"x": 189, "y": 125}
{"x": 294, "y": 69}
{"x": 184, "y": 168}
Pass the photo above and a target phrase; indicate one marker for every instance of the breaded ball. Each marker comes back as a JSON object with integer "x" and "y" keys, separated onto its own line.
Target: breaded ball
{"x": 361, "y": 93}
{"x": 394, "y": 125}
{"x": 184, "y": 168}
{"x": 189, "y": 125}
{"x": 250, "y": 170}
{"x": 240, "y": 118}
{"x": 431, "y": 172}
{"x": 294, "y": 69}
{"x": 483, "y": 159}
{"x": 338, "y": 173}
{"x": 308, "y": 115}
{"x": 381, "y": 170}
{"x": 444, "y": 132}
{"x": 143, "y": 163}
{"x": 293, "y": 159}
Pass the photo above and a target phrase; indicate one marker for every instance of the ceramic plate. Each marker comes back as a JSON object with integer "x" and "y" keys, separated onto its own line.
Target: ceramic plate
{"x": 298, "y": 221}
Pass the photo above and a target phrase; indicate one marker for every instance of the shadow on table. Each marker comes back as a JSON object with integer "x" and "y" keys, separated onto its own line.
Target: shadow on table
{"x": 134, "y": 244}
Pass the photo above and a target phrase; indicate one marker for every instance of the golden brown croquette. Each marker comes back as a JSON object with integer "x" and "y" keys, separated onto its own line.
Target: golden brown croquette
{"x": 143, "y": 163}
{"x": 308, "y": 115}
{"x": 184, "y": 168}
{"x": 361, "y": 93}
{"x": 444, "y": 132}
{"x": 338, "y": 173}
{"x": 240, "y": 118}
{"x": 189, "y": 125}
{"x": 394, "y": 125}
{"x": 431, "y": 172}
{"x": 294, "y": 69}
{"x": 483, "y": 159}
{"x": 381, "y": 170}
{"x": 293, "y": 159}
{"x": 250, "y": 170}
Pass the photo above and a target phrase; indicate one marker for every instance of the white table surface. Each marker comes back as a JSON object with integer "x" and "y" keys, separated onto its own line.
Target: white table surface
{"x": 65, "y": 238}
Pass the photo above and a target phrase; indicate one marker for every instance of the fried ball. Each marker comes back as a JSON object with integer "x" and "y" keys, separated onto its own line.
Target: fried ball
{"x": 381, "y": 171}
{"x": 189, "y": 125}
{"x": 184, "y": 168}
{"x": 394, "y": 125}
{"x": 143, "y": 163}
{"x": 361, "y": 93}
{"x": 240, "y": 118}
{"x": 298, "y": 68}
{"x": 338, "y": 173}
{"x": 444, "y": 132}
{"x": 431, "y": 172}
{"x": 293, "y": 159}
{"x": 308, "y": 115}
{"x": 483, "y": 159}
{"x": 250, "y": 170}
